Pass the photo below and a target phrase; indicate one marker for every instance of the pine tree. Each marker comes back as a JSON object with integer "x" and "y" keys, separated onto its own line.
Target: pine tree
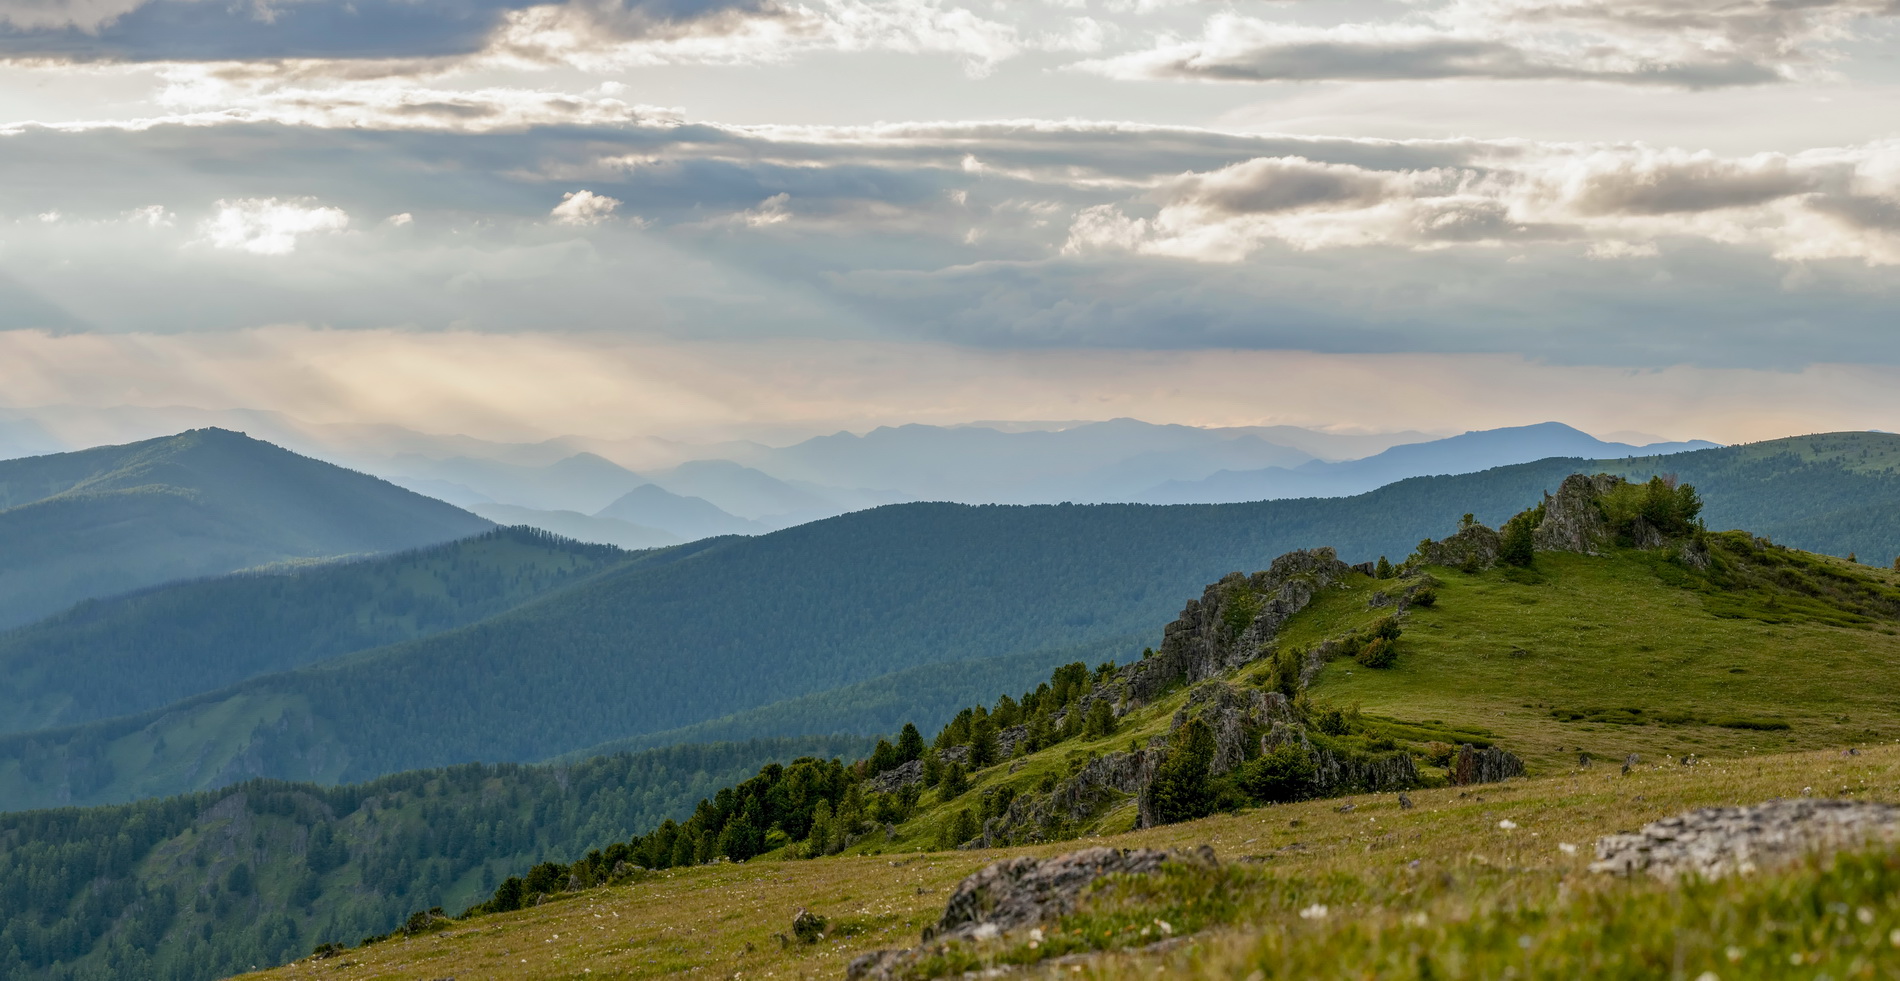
{"x": 910, "y": 743}
{"x": 1182, "y": 790}
{"x": 983, "y": 748}
{"x": 1101, "y": 720}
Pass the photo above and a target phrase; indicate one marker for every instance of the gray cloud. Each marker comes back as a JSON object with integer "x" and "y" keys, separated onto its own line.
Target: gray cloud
{"x": 205, "y": 30}
{"x": 1690, "y": 184}
{"x": 1209, "y": 239}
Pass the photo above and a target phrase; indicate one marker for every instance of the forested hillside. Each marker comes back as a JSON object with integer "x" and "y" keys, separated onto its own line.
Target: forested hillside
{"x": 206, "y": 502}
{"x": 200, "y": 886}
{"x": 127, "y": 654}
{"x": 743, "y": 623}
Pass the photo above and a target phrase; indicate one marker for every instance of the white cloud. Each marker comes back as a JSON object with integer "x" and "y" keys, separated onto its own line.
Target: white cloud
{"x": 583, "y": 208}
{"x": 269, "y": 226}
{"x": 151, "y": 216}
{"x": 401, "y": 220}
{"x": 1682, "y": 43}
{"x": 770, "y": 211}
{"x": 50, "y": 217}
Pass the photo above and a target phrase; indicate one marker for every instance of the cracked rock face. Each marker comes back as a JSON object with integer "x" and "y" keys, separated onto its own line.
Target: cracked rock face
{"x": 1717, "y": 841}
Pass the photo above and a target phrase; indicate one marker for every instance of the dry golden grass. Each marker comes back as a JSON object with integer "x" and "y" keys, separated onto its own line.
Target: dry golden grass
{"x": 1396, "y": 883}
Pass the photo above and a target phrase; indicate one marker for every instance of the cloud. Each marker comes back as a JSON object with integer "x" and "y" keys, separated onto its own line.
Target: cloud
{"x": 195, "y": 30}
{"x": 1624, "y": 200}
{"x": 583, "y": 208}
{"x": 356, "y": 39}
{"x": 268, "y": 226}
{"x": 1677, "y": 43}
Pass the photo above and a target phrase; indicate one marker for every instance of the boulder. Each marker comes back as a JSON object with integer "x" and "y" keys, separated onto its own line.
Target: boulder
{"x": 1716, "y": 841}
{"x": 1017, "y": 893}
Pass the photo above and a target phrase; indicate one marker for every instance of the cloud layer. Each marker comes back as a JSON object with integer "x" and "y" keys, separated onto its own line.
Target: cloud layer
{"x": 1680, "y": 43}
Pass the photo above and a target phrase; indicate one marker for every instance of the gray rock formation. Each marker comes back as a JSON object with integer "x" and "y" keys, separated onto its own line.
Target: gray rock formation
{"x": 1236, "y": 716}
{"x": 1101, "y": 783}
{"x": 1334, "y": 774}
{"x": 1488, "y": 765}
{"x": 1572, "y": 521}
{"x": 1014, "y": 894}
{"x": 1473, "y": 547}
{"x": 1717, "y": 841}
{"x": 1233, "y": 621}
{"x": 898, "y": 777}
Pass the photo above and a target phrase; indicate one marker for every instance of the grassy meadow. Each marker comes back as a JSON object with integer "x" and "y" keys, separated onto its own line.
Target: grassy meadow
{"x": 1759, "y": 680}
{"x": 1445, "y": 889}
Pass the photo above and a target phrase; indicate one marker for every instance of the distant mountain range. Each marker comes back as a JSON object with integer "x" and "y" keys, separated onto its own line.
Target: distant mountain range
{"x": 562, "y": 485}
{"x": 206, "y": 502}
{"x": 725, "y": 628}
{"x": 1467, "y": 453}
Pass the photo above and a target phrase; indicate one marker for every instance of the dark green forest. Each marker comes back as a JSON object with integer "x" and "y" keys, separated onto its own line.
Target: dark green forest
{"x": 118, "y": 656}
{"x": 203, "y": 885}
{"x": 108, "y": 520}
{"x": 744, "y": 623}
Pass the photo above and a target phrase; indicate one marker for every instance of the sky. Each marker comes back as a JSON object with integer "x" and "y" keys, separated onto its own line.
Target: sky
{"x": 717, "y": 218}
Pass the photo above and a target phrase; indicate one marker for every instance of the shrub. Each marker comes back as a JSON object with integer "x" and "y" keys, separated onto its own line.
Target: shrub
{"x": 1284, "y": 774}
{"x": 1426, "y": 596}
{"x": 955, "y": 782}
{"x": 1378, "y": 653}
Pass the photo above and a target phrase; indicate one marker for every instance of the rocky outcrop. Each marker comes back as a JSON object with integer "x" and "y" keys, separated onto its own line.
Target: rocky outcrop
{"x": 1235, "y": 715}
{"x": 1101, "y": 783}
{"x": 1014, "y": 894}
{"x": 898, "y": 777}
{"x": 1473, "y": 547}
{"x": 1334, "y": 775}
{"x": 1718, "y": 841}
{"x": 1233, "y": 621}
{"x": 1488, "y": 765}
{"x": 1572, "y": 520}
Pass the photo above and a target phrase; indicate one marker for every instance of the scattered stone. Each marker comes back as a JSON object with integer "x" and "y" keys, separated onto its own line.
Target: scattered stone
{"x": 1583, "y": 761}
{"x": 1344, "y": 808}
{"x": 1629, "y": 763}
{"x": 1717, "y": 841}
{"x": 1405, "y": 803}
{"x": 1017, "y": 893}
{"x": 1488, "y": 765}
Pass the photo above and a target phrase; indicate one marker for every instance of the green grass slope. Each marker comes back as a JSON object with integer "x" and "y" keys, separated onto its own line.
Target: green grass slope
{"x": 117, "y": 518}
{"x": 727, "y": 626}
{"x": 1463, "y": 886}
{"x": 203, "y": 885}
{"x": 131, "y": 653}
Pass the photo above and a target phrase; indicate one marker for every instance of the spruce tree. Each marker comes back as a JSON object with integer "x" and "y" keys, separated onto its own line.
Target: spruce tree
{"x": 983, "y": 747}
{"x": 910, "y": 743}
{"x": 1182, "y": 789}
{"x": 1101, "y": 720}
